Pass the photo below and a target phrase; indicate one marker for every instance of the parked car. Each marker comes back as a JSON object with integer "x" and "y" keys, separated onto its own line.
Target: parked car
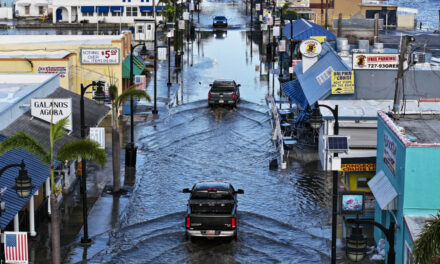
{"x": 219, "y": 21}
{"x": 224, "y": 92}
{"x": 212, "y": 210}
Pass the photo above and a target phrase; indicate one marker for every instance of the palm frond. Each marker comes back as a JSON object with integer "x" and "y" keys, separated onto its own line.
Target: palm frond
{"x": 57, "y": 129}
{"x": 26, "y": 142}
{"x": 427, "y": 246}
{"x": 82, "y": 148}
{"x": 113, "y": 92}
{"x": 131, "y": 92}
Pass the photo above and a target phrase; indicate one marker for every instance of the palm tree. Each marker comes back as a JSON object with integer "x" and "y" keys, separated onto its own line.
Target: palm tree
{"x": 84, "y": 149}
{"x": 117, "y": 101}
{"x": 427, "y": 246}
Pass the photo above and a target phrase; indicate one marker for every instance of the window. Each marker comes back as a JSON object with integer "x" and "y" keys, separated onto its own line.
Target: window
{"x": 140, "y": 29}
{"x": 102, "y": 14}
{"x": 117, "y": 13}
{"x": 26, "y": 10}
{"x": 362, "y": 182}
{"x": 132, "y": 11}
{"x": 87, "y": 14}
{"x": 41, "y": 10}
{"x": 148, "y": 27}
{"x": 146, "y": 14}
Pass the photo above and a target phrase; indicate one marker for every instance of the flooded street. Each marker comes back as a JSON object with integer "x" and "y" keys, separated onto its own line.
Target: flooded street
{"x": 283, "y": 215}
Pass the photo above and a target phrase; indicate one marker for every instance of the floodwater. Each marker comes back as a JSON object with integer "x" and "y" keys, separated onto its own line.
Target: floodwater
{"x": 283, "y": 215}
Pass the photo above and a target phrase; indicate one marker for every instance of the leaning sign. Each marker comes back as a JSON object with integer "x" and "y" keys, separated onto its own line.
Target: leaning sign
{"x": 375, "y": 61}
{"x": 100, "y": 56}
{"x": 342, "y": 82}
{"x": 54, "y": 109}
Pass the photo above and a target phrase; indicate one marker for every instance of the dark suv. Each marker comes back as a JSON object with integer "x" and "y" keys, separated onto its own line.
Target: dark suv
{"x": 212, "y": 210}
{"x": 224, "y": 92}
{"x": 220, "y": 21}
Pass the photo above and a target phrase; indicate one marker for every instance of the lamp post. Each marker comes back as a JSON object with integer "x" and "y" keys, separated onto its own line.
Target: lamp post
{"x": 389, "y": 234}
{"x": 23, "y": 183}
{"x": 99, "y": 97}
{"x": 130, "y": 148}
{"x": 315, "y": 122}
{"x": 155, "y": 68}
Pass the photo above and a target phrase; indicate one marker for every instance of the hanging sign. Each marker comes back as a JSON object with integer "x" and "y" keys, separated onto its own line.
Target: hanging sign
{"x": 181, "y": 24}
{"x": 97, "y": 134}
{"x": 359, "y": 167}
{"x": 282, "y": 46}
{"x": 162, "y": 53}
{"x": 310, "y": 48}
{"x": 257, "y": 7}
{"x": 52, "y": 108}
{"x": 185, "y": 15}
{"x": 99, "y": 56}
{"x": 276, "y": 31}
{"x": 191, "y": 6}
{"x": 375, "y": 61}
{"x": 342, "y": 82}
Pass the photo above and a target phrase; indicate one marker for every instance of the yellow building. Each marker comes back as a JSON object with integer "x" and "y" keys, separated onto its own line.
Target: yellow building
{"x": 80, "y": 59}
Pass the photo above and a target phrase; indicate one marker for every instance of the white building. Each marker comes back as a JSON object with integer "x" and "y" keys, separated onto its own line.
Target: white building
{"x": 31, "y": 8}
{"x": 112, "y": 11}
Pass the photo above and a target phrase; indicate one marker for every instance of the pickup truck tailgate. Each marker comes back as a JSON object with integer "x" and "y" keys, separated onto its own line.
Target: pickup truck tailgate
{"x": 225, "y": 96}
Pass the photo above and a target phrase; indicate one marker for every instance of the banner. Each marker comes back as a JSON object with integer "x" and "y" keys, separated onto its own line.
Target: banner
{"x": 276, "y": 31}
{"x": 257, "y": 7}
{"x": 375, "y": 61}
{"x": 161, "y": 53}
{"x": 16, "y": 247}
{"x": 342, "y": 82}
{"x": 181, "y": 24}
{"x": 282, "y": 46}
{"x": 97, "y": 134}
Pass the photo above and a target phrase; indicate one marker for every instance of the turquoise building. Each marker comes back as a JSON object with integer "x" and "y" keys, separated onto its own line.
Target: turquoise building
{"x": 407, "y": 181}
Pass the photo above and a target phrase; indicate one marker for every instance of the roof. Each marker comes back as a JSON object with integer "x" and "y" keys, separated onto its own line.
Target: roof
{"x": 33, "y": 54}
{"x": 303, "y": 29}
{"x": 37, "y": 171}
{"x": 59, "y": 39}
{"x": 358, "y": 109}
{"x": 14, "y": 87}
{"x": 328, "y": 61}
{"x": 415, "y": 223}
{"x": 39, "y": 129}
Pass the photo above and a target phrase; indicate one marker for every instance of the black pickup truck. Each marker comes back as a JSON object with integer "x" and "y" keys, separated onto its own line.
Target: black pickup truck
{"x": 212, "y": 210}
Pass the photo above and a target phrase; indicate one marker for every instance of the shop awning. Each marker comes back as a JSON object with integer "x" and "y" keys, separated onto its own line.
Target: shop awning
{"x": 146, "y": 8}
{"x": 102, "y": 9}
{"x": 138, "y": 67}
{"x": 294, "y": 91}
{"x": 87, "y": 9}
{"x": 303, "y": 29}
{"x": 117, "y": 9}
{"x": 382, "y": 189}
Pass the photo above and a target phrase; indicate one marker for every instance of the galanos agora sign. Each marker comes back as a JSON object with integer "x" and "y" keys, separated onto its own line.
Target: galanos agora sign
{"x": 53, "y": 109}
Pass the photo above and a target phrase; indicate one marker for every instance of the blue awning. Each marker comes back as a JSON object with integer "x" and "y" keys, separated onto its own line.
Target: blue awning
{"x": 117, "y": 8}
{"x": 303, "y": 29}
{"x": 161, "y": 8}
{"x": 103, "y": 9}
{"x": 87, "y": 9}
{"x": 146, "y": 8}
{"x": 294, "y": 91}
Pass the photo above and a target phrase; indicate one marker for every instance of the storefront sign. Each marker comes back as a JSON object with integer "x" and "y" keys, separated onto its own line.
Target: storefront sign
{"x": 352, "y": 202}
{"x": 310, "y": 48}
{"x": 342, "y": 82}
{"x": 375, "y": 61}
{"x": 100, "y": 56}
{"x": 359, "y": 167}
{"x": 325, "y": 75}
{"x": 53, "y": 70}
{"x": 54, "y": 109}
{"x": 389, "y": 153}
{"x": 303, "y": 3}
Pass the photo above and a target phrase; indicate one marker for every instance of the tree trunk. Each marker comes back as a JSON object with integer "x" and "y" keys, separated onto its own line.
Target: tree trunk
{"x": 116, "y": 159}
{"x": 56, "y": 254}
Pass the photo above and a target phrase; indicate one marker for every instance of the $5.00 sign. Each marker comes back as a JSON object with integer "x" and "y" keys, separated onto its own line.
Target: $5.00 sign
{"x": 100, "y": 56}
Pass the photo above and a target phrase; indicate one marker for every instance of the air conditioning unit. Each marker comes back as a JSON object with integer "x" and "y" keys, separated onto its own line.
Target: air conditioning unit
{"x": 419, "y": 57}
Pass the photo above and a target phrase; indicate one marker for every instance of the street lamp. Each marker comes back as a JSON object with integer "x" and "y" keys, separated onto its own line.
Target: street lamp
{"x": 315, "y": 122}
{"x": 130, "y": 148}
{"x": 99, "y": 97}
{"x": 23, "y": 183}
{"x": 356, "y": 244}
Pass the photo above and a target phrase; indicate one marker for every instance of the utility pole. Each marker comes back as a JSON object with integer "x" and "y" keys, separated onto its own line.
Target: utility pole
{"x": 403, "y": 50}
{"x": 326, "y": 14}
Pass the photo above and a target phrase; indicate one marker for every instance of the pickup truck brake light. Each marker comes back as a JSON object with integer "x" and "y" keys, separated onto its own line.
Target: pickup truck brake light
{"x": 233, "y": 222}
{"x": 188, "y": 222}
{"x": 212, "y": 189}
{"x": 233, "y": 96}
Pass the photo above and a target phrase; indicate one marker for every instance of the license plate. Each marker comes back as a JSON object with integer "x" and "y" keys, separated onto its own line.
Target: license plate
{"x": 221, "y": 101}
{"x": 210, "y": 232}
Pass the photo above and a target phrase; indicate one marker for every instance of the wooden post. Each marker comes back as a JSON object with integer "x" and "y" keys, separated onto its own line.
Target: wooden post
{"x": 339, "y": 25}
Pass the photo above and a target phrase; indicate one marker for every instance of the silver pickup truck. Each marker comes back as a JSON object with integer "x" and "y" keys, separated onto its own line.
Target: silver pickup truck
{"x": 224, "y": 92}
